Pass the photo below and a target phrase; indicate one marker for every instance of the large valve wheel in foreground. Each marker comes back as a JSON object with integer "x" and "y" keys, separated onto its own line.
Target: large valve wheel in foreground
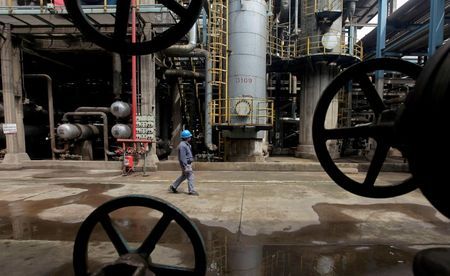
{"x": 118, "y": 41}
{"x": 142, "y": 253}
{"x": 382, "y": 129}
{"x": 427, "y": 119}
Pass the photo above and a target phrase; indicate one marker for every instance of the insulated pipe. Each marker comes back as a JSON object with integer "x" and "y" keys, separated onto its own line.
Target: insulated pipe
{"x": 70, "y": 131}
{"x": 51, "y": 116}
{"x": 184, "y": 74}
{"x": 296, "y": 18}
{"x": 93, "y": 109}
{"x": 117, "y": 75}
{"x": 184, "y": 49}
{"x": 105, "y": 126}
{"x": 208, "y": 89}
{"x": 204, "y": 28}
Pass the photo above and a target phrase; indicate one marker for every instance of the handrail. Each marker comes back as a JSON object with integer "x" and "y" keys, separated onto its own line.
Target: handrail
{"x": 223, "y": 112}
{"x": 312, "y": 45}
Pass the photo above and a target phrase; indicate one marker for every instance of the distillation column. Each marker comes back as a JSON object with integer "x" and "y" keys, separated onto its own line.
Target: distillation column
{"x": 246, "y": 79}
{"x": 321, "y": 39}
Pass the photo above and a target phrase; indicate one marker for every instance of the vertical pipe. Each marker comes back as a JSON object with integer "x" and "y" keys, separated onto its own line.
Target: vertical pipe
{"x": 351, "y": 39}
{"x": 117, "y": 76}
{"x": 381, "y": 42}
{"x": 294, "y": 97}
{"x": 208, "y": 99}
{"x": 133, "y": 68}
{"x": 290, "y": 30}
{"x": 381, "y": 28}
{"x": 204, "y": 28}
{"x": 51, "y": 115}
{"x": 436, "y": 26}
{"x": 296, "y": 17}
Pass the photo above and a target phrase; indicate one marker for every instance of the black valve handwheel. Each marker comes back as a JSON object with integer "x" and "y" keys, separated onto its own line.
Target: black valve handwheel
{"x": 427, "y": 115}
{"x": 170, "y": 213}
{"x": 118, "y": 41}
{"x": 382, "y": 131}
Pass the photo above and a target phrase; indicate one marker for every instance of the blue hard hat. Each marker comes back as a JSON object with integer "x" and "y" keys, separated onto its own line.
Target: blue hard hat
{"x": 186, "y": 134}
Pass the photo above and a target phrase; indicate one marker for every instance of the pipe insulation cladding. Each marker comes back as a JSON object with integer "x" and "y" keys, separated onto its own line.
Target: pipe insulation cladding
{"x": 77, "y": 131}
{"x": 121, "y": 131}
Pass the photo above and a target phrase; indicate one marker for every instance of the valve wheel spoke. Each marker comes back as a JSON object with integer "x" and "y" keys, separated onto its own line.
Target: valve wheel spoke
{"x": 118, "y": 42}
{"x": 382, "y": 131}
{"x": 169, "y": 213}
{"x": 114, "y": 235}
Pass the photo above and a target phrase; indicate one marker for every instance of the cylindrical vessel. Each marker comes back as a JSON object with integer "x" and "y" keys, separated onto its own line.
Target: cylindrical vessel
{"x": 121, "y": 131}
{"x": 120, "y": 109}
{"x": 321, "y": 27}
{"x": 77, "y": 131}
{"x": 247, "y": 61}
{"x": 68, "y": 131}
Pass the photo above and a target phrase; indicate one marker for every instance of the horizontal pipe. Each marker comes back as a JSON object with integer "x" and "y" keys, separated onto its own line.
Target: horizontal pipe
{"x": 93, "y": 109}
{"x": 105, "y": 126}
{"x": 184, "y": 74}
{"x": 184, "y": 49}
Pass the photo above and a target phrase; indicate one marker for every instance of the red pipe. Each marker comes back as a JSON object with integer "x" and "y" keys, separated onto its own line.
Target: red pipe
{"x": 133, "y": 68}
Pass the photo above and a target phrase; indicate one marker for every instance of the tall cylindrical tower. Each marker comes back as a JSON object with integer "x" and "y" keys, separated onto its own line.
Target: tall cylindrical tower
{"x": 247, "y": 46}
{"x": 321, "y": 40}
{"x": 246, "y": 104}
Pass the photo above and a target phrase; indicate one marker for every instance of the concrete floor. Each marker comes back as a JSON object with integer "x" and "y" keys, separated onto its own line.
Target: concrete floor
{"x": 252, "y": 222}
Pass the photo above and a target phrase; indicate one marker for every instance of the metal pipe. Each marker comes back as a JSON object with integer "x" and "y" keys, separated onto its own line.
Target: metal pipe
{"x": 204, "y": 28}
{"x": 208, "y": 99}
{"x": 296, "y": 18}
{"x": 133, "y": 72}
{"x": 208, "y": 89}
{"x": 184, "y": 74}
{"x": 117, "y": 75}
{"x": 184, "y": 49}
{"x": 51, "y": 116}
{"x": 93, "y": 109}
{"x": 105, "y": 126}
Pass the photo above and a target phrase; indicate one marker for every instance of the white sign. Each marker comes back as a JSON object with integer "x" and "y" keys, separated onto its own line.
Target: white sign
{"x": 9, "y": 128}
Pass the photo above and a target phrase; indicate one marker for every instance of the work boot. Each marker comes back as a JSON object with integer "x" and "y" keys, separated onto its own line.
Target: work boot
{"x": 172, "y": 189}
{"x": 194, "y": 193}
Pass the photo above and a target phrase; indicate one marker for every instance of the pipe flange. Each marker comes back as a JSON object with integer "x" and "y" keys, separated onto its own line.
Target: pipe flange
{"x": 243, "y": 108}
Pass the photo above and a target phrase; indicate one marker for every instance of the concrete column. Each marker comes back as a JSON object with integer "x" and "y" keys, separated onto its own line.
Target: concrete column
{"x": 314, "y": 81}
{"x": 245, "y": 145}
{"x": 176, "y": 118}
{"x": 147, "y": 85}
{"x": 12, "y": 99}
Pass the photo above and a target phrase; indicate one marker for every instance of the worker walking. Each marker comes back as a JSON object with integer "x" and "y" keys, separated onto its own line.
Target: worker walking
{"x": 185, "y": 158}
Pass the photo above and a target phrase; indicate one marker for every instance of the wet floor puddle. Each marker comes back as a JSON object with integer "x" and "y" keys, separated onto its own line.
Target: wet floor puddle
{"x": 281, "y": 253}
